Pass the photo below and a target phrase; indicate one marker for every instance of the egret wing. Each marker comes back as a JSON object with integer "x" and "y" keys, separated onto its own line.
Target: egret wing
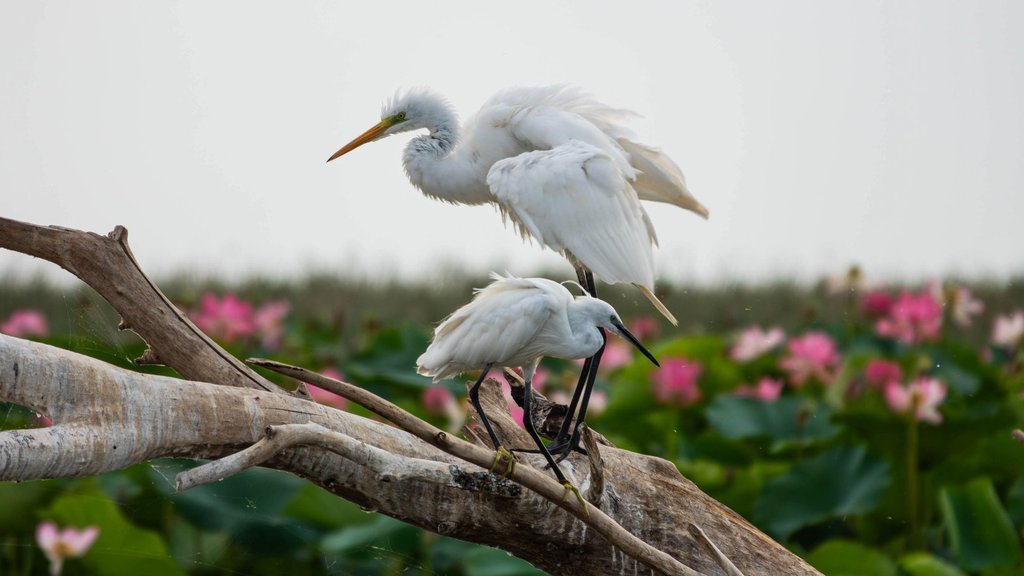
{"x": 575, "y": 199}
{"x": 546, "y": 128}
{"x": 659, "y": 179}
{"x": 550, "y": 116}
{"x": 499, "y": 326}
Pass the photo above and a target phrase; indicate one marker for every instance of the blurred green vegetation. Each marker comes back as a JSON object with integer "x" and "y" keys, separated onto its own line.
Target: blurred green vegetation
{"x": 827, "y": 468}
{"x": 353, "y": 307}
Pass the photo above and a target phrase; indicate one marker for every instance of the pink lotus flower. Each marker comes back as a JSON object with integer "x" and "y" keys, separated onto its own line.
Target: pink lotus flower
{"x": 561, "y": 397}
{"x": 644, "y": 328}
{"x": 878, "y": 373}
{"x": 767, "y": 390}
{"x": 598, "y": 400}
{"x": 25, "y": 324}
{"x": 965, "y": 306}
{"x": 517, "y": 415}
{"x": 321, "y": 396}
{"x": 67, "y": 543}
{"x": 877, "y": 303}
{"x": 436, "y": 399}
{"x": 1008, "y": 329}
{"x": 914, "y": 318}
{"x": 506, "y": 391}
{"x": 921, "y": 398}
{"x": 439, "y": 400}
{"x": 676, "y": 382}
{"x": 227, "y": 319}
{"x": 268, "y": 322}
{"x": 540, "y": 378}
{"x": 811, "y": 356}
{"x": 754, "y": 342}
{"x": 617, "y": 353}
{"x": 598, "y": 403}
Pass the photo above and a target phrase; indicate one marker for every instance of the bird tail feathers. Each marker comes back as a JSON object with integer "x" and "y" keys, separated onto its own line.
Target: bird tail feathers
{"x": 657, "y": 304}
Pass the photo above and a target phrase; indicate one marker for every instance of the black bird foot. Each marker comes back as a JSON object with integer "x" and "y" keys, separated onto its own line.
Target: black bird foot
{"x": 563, "y": 449}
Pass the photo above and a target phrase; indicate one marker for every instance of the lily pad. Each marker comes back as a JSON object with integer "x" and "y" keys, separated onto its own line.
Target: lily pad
{"x": 845, "y": 481}
{"x": 979, "y": 527}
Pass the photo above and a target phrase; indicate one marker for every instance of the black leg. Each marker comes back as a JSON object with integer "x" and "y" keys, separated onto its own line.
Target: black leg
{"x": 561, "y": 441}
{"x": 528, "y": 423}
{"x": 564, "y": 441}
{"x": 561, "y": 445}
{"x": 574, "y": 440}
{"x": 474, "y": 398}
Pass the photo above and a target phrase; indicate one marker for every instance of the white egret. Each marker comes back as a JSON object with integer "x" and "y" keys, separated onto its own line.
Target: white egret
{"x": 563, "y": 167}
{"x": 514, "y": 322}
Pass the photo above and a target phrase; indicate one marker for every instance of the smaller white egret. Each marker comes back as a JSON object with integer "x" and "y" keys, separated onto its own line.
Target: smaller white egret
{"x": 514, "y": 322}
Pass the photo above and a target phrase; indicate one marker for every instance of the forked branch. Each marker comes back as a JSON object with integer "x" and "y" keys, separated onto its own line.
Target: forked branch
{"x": 107, "y": 418}
{"x": 106, "y": 264}
{"x": 533, "y": 479}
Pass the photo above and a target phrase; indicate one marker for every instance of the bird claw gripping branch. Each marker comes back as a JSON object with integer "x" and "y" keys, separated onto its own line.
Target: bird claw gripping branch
{"x": 570, "y": 487}
{"x": 503, "y": 455}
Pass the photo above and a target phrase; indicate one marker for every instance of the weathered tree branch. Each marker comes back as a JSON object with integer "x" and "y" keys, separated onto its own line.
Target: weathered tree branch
{"x": 533, "y": 479}
{"x": 107, "y": 265}
{"x": 279, "y": 438}
{"x": 107, "y": 418}
{"x": 722, "y": 559}
{"x": 595, "y": 492}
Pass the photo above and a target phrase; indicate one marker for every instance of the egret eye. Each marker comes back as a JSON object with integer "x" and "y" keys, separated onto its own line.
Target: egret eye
{"x": 611, "y": 318}
{"x": 400, "y": 116}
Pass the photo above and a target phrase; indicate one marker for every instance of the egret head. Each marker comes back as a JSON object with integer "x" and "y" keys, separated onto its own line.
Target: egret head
{"x": 604, "y": 316}
{"x": 413, "y": 109}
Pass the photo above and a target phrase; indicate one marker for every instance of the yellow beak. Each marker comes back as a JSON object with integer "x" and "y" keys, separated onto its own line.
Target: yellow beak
{"x": 363, "y": 138}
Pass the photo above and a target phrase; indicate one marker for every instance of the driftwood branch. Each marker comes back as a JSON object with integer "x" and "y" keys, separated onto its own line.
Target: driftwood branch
{"x": 279, "y": 438}
{"x": 543, "y": 484}
{"x": 107, "y": 265}
{"x": 106, "y": 418}
{"x": 595, "y": 492}
{"x": 721, "y": 558}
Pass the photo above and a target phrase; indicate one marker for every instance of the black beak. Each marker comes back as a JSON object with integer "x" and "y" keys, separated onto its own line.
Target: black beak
{"x": 633, "y": 340}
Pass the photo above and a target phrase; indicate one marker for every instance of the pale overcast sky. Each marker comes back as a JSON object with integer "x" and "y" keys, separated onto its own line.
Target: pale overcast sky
{"x": 818, "y": 133}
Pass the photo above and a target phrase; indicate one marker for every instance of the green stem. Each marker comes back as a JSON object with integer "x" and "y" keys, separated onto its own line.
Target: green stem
{"x": 912, "y": 481}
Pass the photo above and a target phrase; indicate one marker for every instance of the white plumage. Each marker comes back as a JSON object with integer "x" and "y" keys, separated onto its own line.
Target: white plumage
{"x": 514, "y": 322}
{"x": 562, "y": 166}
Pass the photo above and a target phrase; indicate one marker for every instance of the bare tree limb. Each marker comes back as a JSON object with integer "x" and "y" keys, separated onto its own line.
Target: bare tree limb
{"x": 595, "y": 492}
{"x": 388, "y": 466}
{"x": 722, "y": 559}
{"x": 533, "y": 479}
{"x": 107, "y": 418}
{"x": 107, "y": 265}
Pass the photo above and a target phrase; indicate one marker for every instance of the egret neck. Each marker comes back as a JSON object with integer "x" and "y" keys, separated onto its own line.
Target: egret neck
{"x": 435, "y": 165}
{"x": 586, "y": 336}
